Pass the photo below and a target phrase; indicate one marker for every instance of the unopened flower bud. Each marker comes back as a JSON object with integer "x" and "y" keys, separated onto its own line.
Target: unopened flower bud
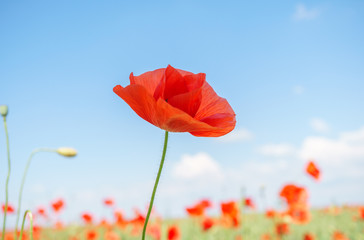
{"x": 67, "y": 152}
{"x": 3, "y": 110}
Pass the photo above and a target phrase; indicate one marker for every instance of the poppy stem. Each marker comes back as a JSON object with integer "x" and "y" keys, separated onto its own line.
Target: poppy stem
{"x": 7, "y": 178}
{"x": 156, "y": 184}
{"x": 23, "y": 181}
{"x": 29, "y": 213}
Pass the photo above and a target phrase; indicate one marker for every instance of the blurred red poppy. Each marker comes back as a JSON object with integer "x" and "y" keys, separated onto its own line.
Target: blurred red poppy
{"x": 270, "y": 213}
{"x": 10, "y": 208}
{"x": 361, "y": 213}
{"x": 282, "y": 228}
{"x": 154, "y": 231}
{"x": 230, "y": 208}
{"x": 207, "y": 224}
{"x": 119, "y": 218}
{"x": 294, "y": 194}
{"x": 248, "y": 202}
{"x": 91, "y": 235}
{"x": 308, "y": 236}
{"x": 109, "y": 235}
{"x": 230, "y": 211}
{"x": 178, "y": 101}
{"x": 196, "y": 210}
{"x": 337, "y": 235}
{"x": 313, "y": 170}
{"x": 87, "y": 218}
{"x": 299, "y": 213}
{"x": 173, "y": 233}
{"x": 41, "y": 211}
{"x": 109, "y": 201}
{"x": 57, "y": 205}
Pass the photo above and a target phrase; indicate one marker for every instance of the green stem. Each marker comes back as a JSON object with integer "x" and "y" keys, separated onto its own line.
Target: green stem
{"x": 23, "y": 181}
{"x": 7, "y": 178}
{"x": 156, "y": 184}
{"x": 29, "y": 213}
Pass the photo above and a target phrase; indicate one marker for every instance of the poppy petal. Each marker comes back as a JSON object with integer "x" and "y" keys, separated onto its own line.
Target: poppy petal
{"x": 148, "y": 80}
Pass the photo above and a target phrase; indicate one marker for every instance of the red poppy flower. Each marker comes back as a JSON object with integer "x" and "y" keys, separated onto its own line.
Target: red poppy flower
{"x": 230, "y": 209}
{"x": 10, "y": 208}
{"x": 178, "y": 101}
{"x": 205, "y": 203}
{"x": 339, "y": 236}
{"x": 207, "y": 224}
{"x": 109, "y": 201}
{"x": 299, "y": 213}
{"x": 196, "y": 210}
{"x": 249, "y": 203}
{"x": 58, "y": 205}
{"x": 308, "y": 236}
{"x": 173, "y": 233}
{"x": 119, "y": 218}
{"x": 230, "y": 212}
{"x": 294, "y": 194}
{"x": 154, "y": 231}
{"x": 87, "y": 218}
{"x": 109, "y": 235}
{"x": 313, "y": 170}
{"x": 139, "y": 218}
{"x": 361, "y": 213}
{"x": 41, "y": 211}
{"x": 282, "y": 228}
{"x": 91, "y": 235}
{"x": 270, "y": 213}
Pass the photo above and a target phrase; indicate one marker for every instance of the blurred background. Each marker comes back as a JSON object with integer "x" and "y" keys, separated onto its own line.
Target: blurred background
{"x": 292, "y": 71}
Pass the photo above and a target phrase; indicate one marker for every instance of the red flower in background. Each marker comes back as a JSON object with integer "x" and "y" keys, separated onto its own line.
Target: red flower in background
{"x": 87, "y": 218}
{"x": 109, "y": 202}
{"x": 109, "y": 235}
{"x": 230, "y": 208}
{"x": 207, "y": 224}
{"x": 308, "y": 236}
{"x": 294, "y": 194}
{"x": 248, "y": 202}
{"x": 361, "y": 213}
{"x": 178, "y": 101}
{"x": 91, "y": 235}
{"x": 199, "y": 208}
{"x": 41, "y": 211}
{"x": 173, "y": 233}
{"x": 299, "y": 213}
{"x": 270, "y": 213}
{"x": 282, "y": 228}
{"x": 10, "y": 208}
{"x": 58, "y": 205}
{"x": 230, "y": 211}
{"x": 339, "y": 236}
{"x": 196, "y": 210}
{"x": 313, "y": 170}
{"x": 119, "y": 218}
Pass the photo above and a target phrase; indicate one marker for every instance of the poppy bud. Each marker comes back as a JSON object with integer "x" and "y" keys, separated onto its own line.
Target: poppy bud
{"x": 4, "y": 110}
{"x": 67, "y": 152}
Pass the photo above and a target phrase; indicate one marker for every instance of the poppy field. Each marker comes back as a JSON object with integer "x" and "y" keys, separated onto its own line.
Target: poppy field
{"x": 176, "y": 100}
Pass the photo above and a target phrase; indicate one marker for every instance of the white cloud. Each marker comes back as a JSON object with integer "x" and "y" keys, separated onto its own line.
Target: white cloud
{"x": 347, "y": 147}
{"x": 319, "y": 125}
{"x": 303, "y": 13}
{"x": 237, "y": 135}
{"x": 277, "y": 150}
{"x": 197, "y": 166}
{"x": 298, "y": 90}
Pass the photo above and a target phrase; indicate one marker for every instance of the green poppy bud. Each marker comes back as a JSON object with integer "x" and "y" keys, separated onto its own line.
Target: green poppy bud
{"x": 4, "y": 110}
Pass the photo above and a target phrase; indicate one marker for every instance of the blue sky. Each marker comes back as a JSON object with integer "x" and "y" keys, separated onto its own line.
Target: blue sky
{"x": 292, "y": 71}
